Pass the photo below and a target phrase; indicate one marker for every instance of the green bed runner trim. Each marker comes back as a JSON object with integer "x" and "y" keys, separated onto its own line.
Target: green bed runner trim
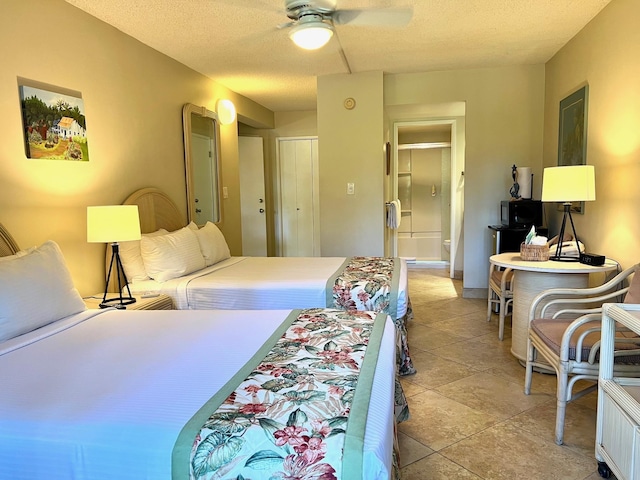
{"x": 352, "y": 459}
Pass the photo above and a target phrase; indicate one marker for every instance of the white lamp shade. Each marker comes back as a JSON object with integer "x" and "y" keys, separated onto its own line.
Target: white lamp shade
{"x": 226, "y": 111}
{"x": 574, "y": 183}
{"x": 113, "y": 223}
{"x": 311, "y": 35}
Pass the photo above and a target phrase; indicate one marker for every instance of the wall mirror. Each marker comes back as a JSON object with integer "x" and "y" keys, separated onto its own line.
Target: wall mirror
{"x": 202, "y": 164}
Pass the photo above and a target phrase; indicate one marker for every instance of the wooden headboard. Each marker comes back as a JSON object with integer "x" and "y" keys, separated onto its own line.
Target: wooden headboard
{"x": 156, "y": 211}
{"x": 8, "y": 245}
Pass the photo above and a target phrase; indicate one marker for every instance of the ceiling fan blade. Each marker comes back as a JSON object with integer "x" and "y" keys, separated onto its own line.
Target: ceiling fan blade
{"x": 379, "y": 17}
{"x": 285, "y": 25}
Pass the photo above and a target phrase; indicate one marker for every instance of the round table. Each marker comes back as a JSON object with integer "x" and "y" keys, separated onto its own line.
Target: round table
{"x": 531, "y": 278}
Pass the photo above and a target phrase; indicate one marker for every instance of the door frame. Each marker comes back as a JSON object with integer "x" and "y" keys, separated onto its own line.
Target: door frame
{"x": 277, "y": 216}
{"x": 457, "y": 185}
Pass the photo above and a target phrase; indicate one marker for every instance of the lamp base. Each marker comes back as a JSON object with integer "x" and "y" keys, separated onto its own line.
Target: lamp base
{"x": 118, "y": 302}
{"x": 563, "y": 258}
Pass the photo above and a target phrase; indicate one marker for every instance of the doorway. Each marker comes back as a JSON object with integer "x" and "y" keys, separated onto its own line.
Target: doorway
{"x": 252, "y": 196}
{"x": 428, "y": 179}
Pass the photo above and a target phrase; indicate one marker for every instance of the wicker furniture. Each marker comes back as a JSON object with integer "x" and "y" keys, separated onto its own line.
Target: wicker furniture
{"x": 617, "y": 438}
{"x": 564, "y": 334}
{"x": 531, "y": 278}
{"x": 500, "y": 294}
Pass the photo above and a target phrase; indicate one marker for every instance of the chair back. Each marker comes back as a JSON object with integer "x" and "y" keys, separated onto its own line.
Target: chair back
{"x": 633, "y": 294}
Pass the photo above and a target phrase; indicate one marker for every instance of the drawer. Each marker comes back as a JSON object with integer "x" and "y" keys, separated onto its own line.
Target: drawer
{"x": 620, "y": 439}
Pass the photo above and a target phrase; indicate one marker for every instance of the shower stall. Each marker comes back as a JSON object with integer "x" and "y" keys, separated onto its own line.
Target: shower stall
{"x": 424, "y": 191}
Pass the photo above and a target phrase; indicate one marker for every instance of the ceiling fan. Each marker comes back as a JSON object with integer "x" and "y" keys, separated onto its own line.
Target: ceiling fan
{"x": 312, "y": 21}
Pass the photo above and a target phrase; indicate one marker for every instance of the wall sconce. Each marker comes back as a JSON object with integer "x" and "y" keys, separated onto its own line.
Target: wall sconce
{"x": 226, "y": 111}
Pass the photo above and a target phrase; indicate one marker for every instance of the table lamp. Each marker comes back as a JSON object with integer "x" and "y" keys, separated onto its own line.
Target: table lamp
{"x": 113, "y": 224}
{"x": 574, "y": 183}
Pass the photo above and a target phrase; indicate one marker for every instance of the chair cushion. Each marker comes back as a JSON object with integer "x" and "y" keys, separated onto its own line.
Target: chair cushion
{"x": 551, "y": 331}
{"x": 496, "y": 277}
{"x": 633, "y": 295}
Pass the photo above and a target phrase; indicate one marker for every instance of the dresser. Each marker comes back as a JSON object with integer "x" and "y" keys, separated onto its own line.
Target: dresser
{"x": 618, "y": 422}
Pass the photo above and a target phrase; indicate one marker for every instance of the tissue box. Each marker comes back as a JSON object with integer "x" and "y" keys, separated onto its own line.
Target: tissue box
{"x": 534, "y": 253}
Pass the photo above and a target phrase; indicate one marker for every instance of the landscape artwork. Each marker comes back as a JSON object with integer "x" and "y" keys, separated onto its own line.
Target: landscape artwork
{"x": 54, "y": 124}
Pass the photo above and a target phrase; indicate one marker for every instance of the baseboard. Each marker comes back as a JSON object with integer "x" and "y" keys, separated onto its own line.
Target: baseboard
{"x": 474, "y": 293}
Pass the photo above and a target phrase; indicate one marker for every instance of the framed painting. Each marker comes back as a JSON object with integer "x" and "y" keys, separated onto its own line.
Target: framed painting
{"x": 54, "y": 124}
{"x": 572, "y": 134}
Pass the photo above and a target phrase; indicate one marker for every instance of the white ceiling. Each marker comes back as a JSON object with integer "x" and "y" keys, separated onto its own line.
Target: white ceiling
{"x": 237, "y": 42}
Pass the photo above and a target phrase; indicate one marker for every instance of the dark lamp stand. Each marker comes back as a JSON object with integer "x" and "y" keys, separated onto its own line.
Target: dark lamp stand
{"x": 119, "y": 302}
{"x": 558, "y": 257}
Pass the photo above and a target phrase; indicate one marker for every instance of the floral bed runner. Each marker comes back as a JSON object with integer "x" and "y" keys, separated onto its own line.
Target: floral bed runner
{"x": 286, "y": 414}
{"x": 372, "y": 283}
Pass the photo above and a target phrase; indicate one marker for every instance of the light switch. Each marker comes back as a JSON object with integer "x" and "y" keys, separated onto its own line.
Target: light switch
{"x": 225, "y": 192}
{"x": 351, "y": 188}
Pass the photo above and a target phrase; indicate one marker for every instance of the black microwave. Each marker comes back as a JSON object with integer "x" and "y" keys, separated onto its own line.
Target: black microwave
{"x": 521, "y": 213}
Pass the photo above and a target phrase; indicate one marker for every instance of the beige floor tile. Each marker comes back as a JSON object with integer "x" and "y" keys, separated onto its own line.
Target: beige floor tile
{"x": 469, "y": 416}
{"x": 541, "y": 383}
{"x": 411, "y": 450}
{"x": 423, "y": 337}
{"x": 475, "y": 354}
{"x": 505, "y": 452}
{"x": 436, "y": 467}
{"x": 579, "y": 425}
{"x": 410, "y": 389}
{"x": 433, "y": 371}
{"x": 437, "y": 421}
{"x": 469, "y": 325}
{"x": 493, "y": 395}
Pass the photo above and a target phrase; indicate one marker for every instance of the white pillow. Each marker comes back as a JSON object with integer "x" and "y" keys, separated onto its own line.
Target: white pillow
{"x": 132, "y": 258}
{"x": 213, "y": 245}
{"x": 35, "y": 289}
{"x": 172, "y": 255}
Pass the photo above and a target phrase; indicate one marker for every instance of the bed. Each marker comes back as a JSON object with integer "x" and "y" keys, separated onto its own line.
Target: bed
{"x": 225, "y": 282}
{"x": 90, "y": 394}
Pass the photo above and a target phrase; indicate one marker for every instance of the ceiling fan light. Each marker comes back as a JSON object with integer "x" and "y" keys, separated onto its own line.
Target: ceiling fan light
{"x": 311, "y": 35}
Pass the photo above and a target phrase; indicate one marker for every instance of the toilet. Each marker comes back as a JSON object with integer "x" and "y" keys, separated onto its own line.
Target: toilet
{"x": 447, "y": 245}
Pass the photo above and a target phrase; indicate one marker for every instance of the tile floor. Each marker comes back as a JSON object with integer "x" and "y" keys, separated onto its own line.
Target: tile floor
{"x": 469, "y": 416}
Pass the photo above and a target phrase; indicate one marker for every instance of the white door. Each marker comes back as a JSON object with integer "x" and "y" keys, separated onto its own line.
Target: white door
{"x": 252, "y": 202}
{"x": 298, "y": 193}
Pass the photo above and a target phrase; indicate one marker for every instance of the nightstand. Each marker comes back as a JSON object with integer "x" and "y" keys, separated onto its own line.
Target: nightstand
{"x": 161, "y": 302}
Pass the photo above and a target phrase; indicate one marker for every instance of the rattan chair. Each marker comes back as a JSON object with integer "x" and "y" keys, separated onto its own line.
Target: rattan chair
{"x": 564, "y": 335}
{"x": 500, "y": 294}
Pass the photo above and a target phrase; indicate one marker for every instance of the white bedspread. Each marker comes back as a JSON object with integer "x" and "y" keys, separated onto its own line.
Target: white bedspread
{"x": 259, "y": 283}
{"x": 80, "y": 403}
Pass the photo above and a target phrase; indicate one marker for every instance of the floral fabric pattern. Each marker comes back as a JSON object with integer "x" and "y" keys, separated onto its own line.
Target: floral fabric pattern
{"x": 366, "y": 284}
{"x": 288, "y": 419}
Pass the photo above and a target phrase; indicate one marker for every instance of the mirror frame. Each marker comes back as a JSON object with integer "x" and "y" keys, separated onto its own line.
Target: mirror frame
{"x": 187, "y": 110}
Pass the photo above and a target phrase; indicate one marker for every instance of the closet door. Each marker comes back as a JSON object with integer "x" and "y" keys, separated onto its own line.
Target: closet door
{"x": 298, "y": 177}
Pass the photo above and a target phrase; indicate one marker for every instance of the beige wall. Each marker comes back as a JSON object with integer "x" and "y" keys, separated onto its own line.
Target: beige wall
{"x": 133, "y": 98}
{"x": 503, "y": 125}
{"x": 604, "y": 55}
{"x": 351, "y": 149}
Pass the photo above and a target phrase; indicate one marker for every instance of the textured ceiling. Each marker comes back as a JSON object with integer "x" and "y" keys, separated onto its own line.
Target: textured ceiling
{"x": 237, "y": 42}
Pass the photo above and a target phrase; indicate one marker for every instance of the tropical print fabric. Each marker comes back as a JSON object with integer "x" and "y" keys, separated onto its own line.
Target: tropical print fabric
{"x": 366, "y": 284}
{"x": 289, "y": 419}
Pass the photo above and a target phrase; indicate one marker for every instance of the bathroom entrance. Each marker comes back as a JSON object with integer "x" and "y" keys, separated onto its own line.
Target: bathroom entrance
{"x": 431, "y": 139}
{"x": 424, "y": 190}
